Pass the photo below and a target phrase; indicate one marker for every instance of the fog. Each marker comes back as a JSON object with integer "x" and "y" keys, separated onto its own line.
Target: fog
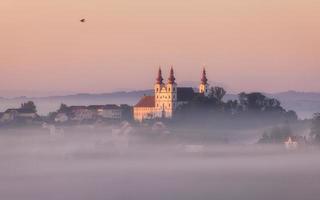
{"x": 87, "y": 162}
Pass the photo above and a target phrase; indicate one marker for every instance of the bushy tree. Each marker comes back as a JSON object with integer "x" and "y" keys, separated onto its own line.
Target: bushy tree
{"x": 277, "y": 134}
{"x": 29, "y": 106}
{"x": 63, "y": 108}
{"x": 217, "y": 93}
{"x": 257, "y": 102}
{"x": 315, "y": 127}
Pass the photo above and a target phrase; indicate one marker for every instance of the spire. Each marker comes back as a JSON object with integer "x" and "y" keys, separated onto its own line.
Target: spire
{"x": 159, "y": 78}
{"x": 171, "y": 78}
{"x": 204, "y": 79}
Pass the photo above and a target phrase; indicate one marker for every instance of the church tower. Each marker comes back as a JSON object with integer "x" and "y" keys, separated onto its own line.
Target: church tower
{"x": 159, "y": 82}
{"x": 172, "y": 93}
{"x": 204, "y": 86}
{"x": 165, "y": 95}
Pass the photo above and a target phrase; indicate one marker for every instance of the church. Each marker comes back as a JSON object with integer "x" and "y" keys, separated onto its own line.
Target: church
{"x": 167, "y": 98}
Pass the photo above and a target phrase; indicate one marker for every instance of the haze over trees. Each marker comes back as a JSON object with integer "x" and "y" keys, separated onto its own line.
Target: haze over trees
{"x": 29, "y": 106}
{"x": 315, "y": 128}
{"x": 253, "y": 106}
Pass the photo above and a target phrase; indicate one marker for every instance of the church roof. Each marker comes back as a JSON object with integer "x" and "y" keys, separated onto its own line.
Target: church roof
{"x": 146, "y": 101}
{"x": 185, "y": 93}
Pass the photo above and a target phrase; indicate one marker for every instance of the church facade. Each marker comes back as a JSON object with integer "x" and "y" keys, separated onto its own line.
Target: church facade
{"x": 167, "y": 98}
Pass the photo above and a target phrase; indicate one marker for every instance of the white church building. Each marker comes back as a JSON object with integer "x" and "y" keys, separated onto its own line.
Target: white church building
{"x": 167, "y": 98}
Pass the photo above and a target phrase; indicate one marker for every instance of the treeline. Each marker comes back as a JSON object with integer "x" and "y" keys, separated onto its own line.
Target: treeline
{"x": 253, "y": 106}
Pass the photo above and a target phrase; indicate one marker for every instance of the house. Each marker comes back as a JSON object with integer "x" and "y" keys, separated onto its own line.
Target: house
{"x": 291, "y": 144}
{"x": 167, "y": 98}
{"x": 61, "y": 117}
{"x": 11, "y": 115}
{"x": 109, "y": 111}
{"x": 80, "y": 113}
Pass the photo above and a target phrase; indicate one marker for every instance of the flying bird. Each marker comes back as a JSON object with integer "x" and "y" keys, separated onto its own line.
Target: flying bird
{"x": 83, "y": 20}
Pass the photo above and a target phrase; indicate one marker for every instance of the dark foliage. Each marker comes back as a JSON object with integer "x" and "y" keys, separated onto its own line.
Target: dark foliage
{"x": 277, "y": 134}
{"x": 30, "y": 106}
{"x": 315, "y": 128}
{"x": 254, "y": 106}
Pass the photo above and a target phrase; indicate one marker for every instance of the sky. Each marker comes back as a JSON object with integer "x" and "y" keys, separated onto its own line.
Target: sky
{"x": 247, "y": 45}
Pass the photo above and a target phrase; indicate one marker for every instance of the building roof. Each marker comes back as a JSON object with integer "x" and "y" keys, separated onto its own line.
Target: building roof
{"x": 19, "y": 110}
{"x": 146, "y": 101}
{"x": 111, "y": 106}
{"x": 107, "y": 106}
{"x": 95, "y": 107}
{"x": 185, "y": 93}
{"x": 77, "y": 107}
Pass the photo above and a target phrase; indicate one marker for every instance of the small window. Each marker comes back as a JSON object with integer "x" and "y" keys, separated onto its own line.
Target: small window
{"x": 169, "y": 89}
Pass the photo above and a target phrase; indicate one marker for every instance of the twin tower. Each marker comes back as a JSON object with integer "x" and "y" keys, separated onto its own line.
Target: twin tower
{"x": 168, "y": 96}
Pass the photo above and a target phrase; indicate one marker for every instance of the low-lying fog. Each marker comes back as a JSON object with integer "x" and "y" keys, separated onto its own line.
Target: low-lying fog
{"x": 94, "y": 164}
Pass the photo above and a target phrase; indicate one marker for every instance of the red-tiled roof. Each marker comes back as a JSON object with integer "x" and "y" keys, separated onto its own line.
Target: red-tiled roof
{"x": 146, "y": 101}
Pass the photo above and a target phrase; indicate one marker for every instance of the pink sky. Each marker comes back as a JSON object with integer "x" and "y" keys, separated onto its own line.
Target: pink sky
{"x": 246, "y": 45}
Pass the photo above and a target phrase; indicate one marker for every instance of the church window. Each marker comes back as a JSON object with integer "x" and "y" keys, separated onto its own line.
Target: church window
{"x": 169, "y": 89}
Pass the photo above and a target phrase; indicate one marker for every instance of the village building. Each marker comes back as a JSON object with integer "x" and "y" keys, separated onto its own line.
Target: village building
{"x": 61, "y": 117}
{"x": 22, "y": 114}
{"x": 80, "y": 113}
{"x": 291, "y": 143}
{"x": 109, "y": 111}
{"x": 167, "y": 98}
{"x": 89, "y": 113}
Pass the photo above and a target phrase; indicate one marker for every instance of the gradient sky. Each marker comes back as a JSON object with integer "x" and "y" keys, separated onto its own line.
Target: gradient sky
{"x": 246, "y": 45}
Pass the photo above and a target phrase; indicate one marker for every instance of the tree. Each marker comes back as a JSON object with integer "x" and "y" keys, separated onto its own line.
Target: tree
{"x": 277, "y": 134}
{"x": 29, "y": 106}
{"x": 63, "y": 108}
{"x": 315, "y": 127}
{"x": 217, "y": 93}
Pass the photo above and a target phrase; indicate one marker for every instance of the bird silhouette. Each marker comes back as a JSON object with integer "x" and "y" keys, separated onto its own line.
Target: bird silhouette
{"x": 83, "y": 20}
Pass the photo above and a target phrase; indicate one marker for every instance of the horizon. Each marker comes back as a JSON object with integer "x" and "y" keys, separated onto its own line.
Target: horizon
{"x": 45, "y": 94}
